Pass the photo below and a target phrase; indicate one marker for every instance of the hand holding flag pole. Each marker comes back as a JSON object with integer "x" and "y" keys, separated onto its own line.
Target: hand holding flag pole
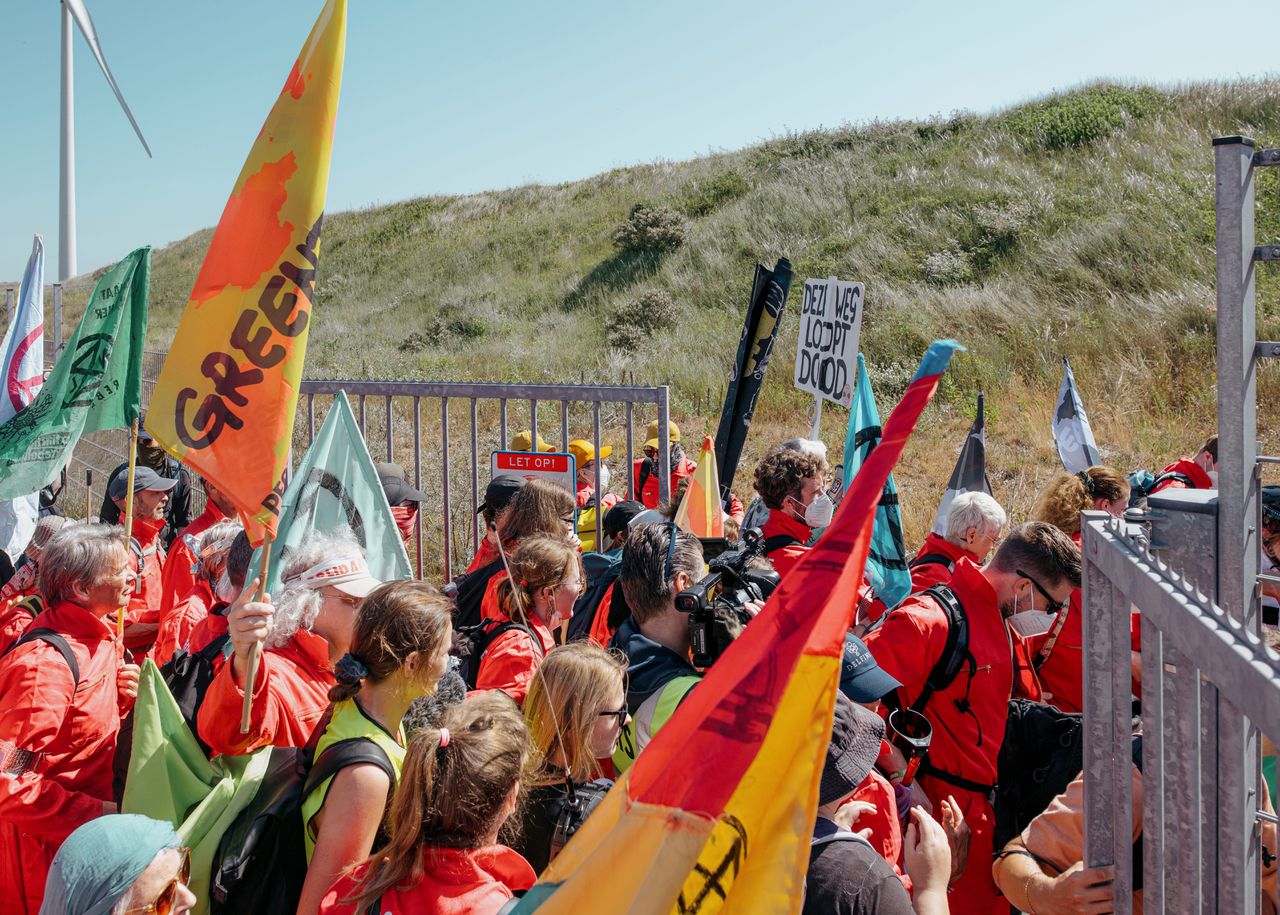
{"x": 255, "y": 653}
{"x": 128, "y": 512}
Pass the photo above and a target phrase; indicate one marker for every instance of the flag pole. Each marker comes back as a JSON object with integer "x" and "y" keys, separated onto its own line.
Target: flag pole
{"x": 128, "y": 511}
{"x": 255, "y": 653}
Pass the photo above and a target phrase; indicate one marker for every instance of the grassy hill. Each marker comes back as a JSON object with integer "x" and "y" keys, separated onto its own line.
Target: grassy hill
{"x": 1077, "y": 225}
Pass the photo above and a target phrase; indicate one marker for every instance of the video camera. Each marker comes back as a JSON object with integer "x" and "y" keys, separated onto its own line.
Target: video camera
{"x": 717, "y": 604}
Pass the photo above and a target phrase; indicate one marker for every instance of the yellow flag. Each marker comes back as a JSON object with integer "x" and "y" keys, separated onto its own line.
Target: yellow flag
{"x": 225, "y": 400}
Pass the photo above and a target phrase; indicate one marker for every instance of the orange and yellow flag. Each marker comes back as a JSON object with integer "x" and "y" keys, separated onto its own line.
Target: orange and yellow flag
{"x": 700, "y": 512}
{"x": 716, "y": 814}
{"x": 225, "y": 400}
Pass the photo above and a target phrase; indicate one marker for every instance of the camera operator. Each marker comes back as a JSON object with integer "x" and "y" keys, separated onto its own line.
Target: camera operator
{"x": 656, "y": 637}
{"x": 793, "y": 485}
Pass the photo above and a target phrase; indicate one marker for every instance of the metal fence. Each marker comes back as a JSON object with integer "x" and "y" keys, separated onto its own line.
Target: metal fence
{"x": 1208, "y": 682}
{"x": 441, "y": 433}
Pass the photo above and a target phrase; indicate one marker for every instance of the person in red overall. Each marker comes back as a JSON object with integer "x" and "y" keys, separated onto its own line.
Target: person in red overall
{"x": 793, "y": 486}
{"x": 1057, "y": 649}
{"x": 975, "y": 523}
{"x": 459, "y": 784}
{"x": 644, "y": 471}
{"x": 227, "y": 587}
{"x": 1197, "y": 472}
{"x": 548, "y": 578}
{"x": 20, "y": 600}
{"x": 497, "y": 497}
{"x": 211, "y": 550}
{"x": 60, "y": 712}
{"x": 1033, "y": 570}
{"x": 150, "y": 500}
{"x": 305, "y": 634}
{"x": 179, "y": 575}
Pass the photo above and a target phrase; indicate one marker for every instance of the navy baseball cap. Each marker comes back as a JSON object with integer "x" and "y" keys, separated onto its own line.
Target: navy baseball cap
{"x": 861, "y": 678}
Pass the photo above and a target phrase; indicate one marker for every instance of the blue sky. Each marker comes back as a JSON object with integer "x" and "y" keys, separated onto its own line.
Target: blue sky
{"x": 449, "y": 98}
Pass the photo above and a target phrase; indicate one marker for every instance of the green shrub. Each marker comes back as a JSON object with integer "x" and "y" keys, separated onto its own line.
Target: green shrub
{"x": 639, "y": 319}
{"x": 709, "y": 194}
{"x": 1081, "y": 118}
{"x": 947, "y": 268}
{"x": 649, "y": 230}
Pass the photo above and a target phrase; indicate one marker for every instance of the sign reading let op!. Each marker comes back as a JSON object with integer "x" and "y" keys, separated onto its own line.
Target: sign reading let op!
{"x": 529, "y": 465}
{"x": 830, "y": 323}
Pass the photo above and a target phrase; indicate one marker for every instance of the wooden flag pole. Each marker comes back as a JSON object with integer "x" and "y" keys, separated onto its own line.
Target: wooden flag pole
{"x": 128, "y": 511}
{"x": 255, "y": 653}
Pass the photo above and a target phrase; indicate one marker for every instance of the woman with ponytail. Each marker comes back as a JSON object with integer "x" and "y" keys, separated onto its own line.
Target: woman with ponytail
{"x": 576, "y": 709}
{"x": 537, "y": 593}
{"x": 459, "y": 784}
{"x": 1058, "y": 654}
{"x": 399, "y": 649}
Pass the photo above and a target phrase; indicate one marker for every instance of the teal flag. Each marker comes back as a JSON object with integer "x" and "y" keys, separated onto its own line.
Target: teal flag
{"x": 335, "y": 485}
{"x": 170, "y": 779}
{"x": 95, "y": 385}
{"x": 887, "y": 570}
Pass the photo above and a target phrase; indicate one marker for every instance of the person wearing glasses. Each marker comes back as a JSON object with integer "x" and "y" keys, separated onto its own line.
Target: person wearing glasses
{"x": 1033, "y": 570}
{"x": 1056, "y": 646}
{"x": 658, "y": 562}
{"x": 644, "y": 471}
{"x": 575, "y": 710}
{"x": 304, "y": 633}
{"x": 122, "y": 864}
{"x": 537, "y": 595}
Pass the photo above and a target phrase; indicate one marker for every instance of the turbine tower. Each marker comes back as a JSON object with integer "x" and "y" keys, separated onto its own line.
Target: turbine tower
{"x": 75, "y": 10}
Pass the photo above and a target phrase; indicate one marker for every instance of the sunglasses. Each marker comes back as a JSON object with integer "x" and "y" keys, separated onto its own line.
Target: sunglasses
{"x": 624, "y": 733}
{"x": 619, "y": 714}
{"x": 1052, "y": 606}
{"x": 164, "y": 902}
{"x": 671, "y": 550}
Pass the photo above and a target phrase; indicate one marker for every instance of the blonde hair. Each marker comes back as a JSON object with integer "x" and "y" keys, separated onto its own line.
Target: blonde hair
{"x": 538, "y": 562}
{"x": 569, "y": 690}
{"x": 1067, "y": 495}
{"x": 451, "y": 794}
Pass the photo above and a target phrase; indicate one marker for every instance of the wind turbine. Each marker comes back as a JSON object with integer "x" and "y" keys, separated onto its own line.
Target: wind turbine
{"x": 75, "y": 10}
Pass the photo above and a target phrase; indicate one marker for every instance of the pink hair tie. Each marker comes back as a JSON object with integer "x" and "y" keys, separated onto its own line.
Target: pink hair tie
{"x": 444, "y": 738}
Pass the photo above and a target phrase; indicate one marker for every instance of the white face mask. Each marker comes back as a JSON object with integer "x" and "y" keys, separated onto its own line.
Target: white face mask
{"x": 818, "y": 513}
{"x": 224, "y": 590}
{"x": 1213, "y": 478}
{"x": 602, "y": 475}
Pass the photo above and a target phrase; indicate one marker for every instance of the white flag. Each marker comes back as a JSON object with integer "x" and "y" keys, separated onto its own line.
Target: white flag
{"x": 1071, "y": 433}
{"x": 21, "y": 375}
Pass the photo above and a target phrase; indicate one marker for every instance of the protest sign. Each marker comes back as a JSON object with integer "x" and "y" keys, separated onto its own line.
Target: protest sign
{"x": 560, "y": 469}
{"x": 830, "y": 324}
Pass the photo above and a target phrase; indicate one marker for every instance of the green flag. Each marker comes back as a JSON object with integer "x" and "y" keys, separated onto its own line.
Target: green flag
{"x": 96, "y": 383}
{"x": 335, "y": 485}
{"x": 170, "y": 779}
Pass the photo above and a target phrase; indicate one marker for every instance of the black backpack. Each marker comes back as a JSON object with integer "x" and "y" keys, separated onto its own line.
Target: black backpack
{"x": 572, "y": 809}
{"x": 471, "y": 642}
{"x": 261, "y": 862}
{"x": 188, "y": 675}
{"x": 1143, "y": 482}
{"x": 468, "y": 592}
{"x": 1043, "y": 751}
{"x": 955, "y": 653}
{"x": 932, "y": 559}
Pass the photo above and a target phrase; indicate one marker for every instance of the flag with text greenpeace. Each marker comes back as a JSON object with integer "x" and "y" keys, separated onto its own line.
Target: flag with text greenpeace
{"x": 226, "y": 397}
{"x": 95, "y": 385}
{"x": 715, "y": 815}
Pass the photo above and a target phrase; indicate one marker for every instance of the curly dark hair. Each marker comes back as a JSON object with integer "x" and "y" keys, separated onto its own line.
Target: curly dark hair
{"x": 780, "y": 473}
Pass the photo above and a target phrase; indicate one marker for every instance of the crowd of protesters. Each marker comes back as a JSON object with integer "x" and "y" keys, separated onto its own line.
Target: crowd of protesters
{"x": 492, "y": 716}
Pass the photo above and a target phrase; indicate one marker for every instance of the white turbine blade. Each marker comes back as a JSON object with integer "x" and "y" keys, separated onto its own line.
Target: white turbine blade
{"x": 81, "y": 15}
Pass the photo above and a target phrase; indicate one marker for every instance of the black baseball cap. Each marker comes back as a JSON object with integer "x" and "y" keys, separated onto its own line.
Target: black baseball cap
{"x": 617, "y": 518}
{"x": 396, "y": 486}
{"x": 143, "y": 478}
{"x": 499, "y": 492}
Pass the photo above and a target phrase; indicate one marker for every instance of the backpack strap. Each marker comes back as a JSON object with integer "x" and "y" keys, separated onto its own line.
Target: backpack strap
{"x": 1174, "y": 476}
{"x": 778, "y": 542}
{"x": 353, "y": 751}
{"x": 646, "y": 471}
{"x": 933, "y": 559}
{"x": 955, "y": 653}
{"x": 1054, "y": 631}
{"x": 58, "y": 641}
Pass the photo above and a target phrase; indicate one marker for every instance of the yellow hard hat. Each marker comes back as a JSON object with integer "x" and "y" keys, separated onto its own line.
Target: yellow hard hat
{"x": 523, "y": 441}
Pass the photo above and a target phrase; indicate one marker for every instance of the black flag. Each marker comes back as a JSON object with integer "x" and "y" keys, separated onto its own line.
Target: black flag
{"x": 764, "y": 315}
{"x": 970, "y": 473}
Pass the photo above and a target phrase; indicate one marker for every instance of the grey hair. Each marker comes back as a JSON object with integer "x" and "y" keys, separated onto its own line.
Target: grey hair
{"x": 78, "y": 553}
{"x": 976, "y": 510}
{"x": 810, "y": 446}
{"x": 218, "y": 538}
{"x": 297, "y": 607}
{"x": 642, "y": 574}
